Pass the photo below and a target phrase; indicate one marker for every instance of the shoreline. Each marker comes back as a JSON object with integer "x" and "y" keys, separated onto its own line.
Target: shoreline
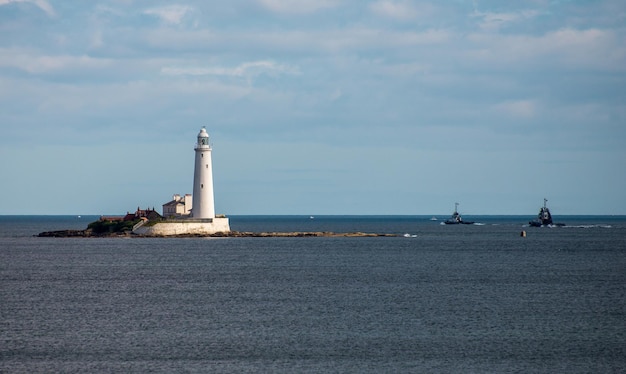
{"x": 231, "y": 234}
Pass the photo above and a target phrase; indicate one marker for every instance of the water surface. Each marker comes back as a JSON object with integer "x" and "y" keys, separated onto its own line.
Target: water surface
{"x": 467, "y": 298}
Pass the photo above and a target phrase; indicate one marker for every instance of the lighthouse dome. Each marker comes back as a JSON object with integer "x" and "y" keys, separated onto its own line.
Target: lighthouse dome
{"x": 203, "y": 140}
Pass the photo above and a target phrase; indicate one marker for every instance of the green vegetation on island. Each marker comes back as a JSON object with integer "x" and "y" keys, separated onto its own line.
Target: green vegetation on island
{"x": 103, "y": 226}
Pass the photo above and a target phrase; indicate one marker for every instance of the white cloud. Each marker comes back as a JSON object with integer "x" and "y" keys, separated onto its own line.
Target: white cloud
{"x": 40, "y": 64}
{"x": 41, "y": 4}
{"x": 296, "y": 43}
{"x": 336, "y": 94}
{"x": 494, "y": 21}
{"x": 297, "y": 6}
{"x": 350, "y": 39}
{"x": 518, "y": 108}
{"x": 96, "y": 39}
{"x": 245, "y": 70}
{"x": 172, "y": 14}
{"x": 566, "y": 49}
{"x": 400, "y": 10}
{"x": 407, "y": 69}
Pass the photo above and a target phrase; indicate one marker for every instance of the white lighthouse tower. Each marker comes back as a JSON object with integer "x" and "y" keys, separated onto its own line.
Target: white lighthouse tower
{"x": 203, "y": 205}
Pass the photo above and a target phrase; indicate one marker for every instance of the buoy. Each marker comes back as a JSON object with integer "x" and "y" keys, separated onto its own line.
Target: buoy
{"x": 522, "y": 234}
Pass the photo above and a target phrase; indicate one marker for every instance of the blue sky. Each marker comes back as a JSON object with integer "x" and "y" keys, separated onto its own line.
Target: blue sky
{"x": 315, "y": 106}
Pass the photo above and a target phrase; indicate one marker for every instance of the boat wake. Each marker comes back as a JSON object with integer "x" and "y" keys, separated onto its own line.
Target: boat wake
{"x": 589, "y": 226}
{"x": 573, "y": 226}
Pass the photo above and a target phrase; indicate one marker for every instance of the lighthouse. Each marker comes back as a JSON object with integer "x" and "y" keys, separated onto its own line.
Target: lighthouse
{"x": 203, "y": 205}
{"x": 202, "y": 220}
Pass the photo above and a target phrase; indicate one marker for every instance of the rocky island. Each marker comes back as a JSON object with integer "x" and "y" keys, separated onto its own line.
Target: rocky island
{"x": 231, "y": 234}
{"x": 111, "y": 229}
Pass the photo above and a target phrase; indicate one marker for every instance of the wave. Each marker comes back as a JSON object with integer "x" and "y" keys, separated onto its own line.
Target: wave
{"x": 589, "y": 226}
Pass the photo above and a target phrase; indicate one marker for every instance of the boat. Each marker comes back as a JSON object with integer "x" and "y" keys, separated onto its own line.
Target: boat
{"x": 433, "y": 218}
{"x": 544, "y": 218}
{"x": 456, "y": 219}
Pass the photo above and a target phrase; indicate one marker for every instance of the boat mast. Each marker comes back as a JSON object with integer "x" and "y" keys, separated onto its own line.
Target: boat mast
{"x": 455, "y": 206}
{"x": 544, "y": 202}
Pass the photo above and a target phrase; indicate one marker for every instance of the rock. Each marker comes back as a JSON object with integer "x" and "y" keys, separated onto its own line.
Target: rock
{"x": 63, "y": 234}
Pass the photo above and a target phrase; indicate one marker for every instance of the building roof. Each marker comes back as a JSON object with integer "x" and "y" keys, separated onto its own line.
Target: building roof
{"x": 148, "y": 213}
{"x": 174, "y": 203}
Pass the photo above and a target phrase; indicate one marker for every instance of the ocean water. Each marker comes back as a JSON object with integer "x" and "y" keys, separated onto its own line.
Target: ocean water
{"x": 464, "y": 298}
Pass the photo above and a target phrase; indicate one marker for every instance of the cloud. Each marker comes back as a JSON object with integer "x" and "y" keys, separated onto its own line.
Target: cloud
{"x": 349, "y": 40}
{"x": 398, "y": 75}
{"x": 492, "y": 21}
{"x": 518, "y": 108}
{"x": 566, "y": 48}
{"x": 245, "y": 70}
{"x": 96, "y": 39}
{"x": 40, "y": 64}
{"x": 172, "y": 14}
{"x": 41, "y": 4}
{"x": 394, "y": 9}
{"x": 297, "y": 6}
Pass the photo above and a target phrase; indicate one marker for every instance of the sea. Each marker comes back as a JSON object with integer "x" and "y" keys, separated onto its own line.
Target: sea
{"x": 435, "y": 298}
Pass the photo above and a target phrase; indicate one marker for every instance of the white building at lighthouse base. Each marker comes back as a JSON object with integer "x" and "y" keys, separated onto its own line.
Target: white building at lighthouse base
{"x": 183, "y": 226}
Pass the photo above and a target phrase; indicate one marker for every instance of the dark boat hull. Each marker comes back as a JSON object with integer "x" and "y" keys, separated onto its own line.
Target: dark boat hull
{"x": 539, "y": 224}
{"x": 458, "y": 223}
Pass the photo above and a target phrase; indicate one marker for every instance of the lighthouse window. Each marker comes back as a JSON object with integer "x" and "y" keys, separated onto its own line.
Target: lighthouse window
{"x": 207, "y": 166}
{"x": 202, "y": 185}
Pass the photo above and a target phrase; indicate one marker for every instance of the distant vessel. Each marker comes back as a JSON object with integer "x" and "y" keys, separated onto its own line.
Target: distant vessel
{"x": 433, "y": 218}
{"x": 544, "y": 218}
{"x": 456, "y": 218}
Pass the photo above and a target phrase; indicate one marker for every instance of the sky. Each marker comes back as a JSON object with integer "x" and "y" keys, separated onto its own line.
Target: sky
{"x": 315, "y": 106}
